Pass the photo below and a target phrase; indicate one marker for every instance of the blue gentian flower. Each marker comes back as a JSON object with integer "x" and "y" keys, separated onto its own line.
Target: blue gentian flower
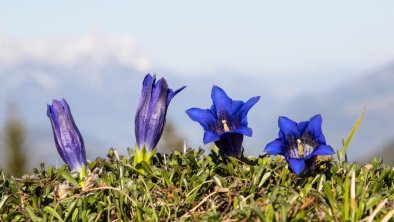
{"x": 300, "y": 143}
{"x": 68, "y": 139}
{"x": 151, "y": 112}
{"x": 226, "y": 122}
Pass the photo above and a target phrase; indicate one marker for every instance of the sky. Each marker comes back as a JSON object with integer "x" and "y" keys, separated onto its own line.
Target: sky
{"x": 290, "y": 48}
{"x": 282, "y": 39}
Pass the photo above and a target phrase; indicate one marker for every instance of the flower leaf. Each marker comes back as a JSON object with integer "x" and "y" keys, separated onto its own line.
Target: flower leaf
{"x": 350, "y": 137}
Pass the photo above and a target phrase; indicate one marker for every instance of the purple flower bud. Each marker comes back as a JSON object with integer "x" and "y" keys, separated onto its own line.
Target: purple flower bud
{"x": 151, "y": 112}
{"x": 68, "y": 139}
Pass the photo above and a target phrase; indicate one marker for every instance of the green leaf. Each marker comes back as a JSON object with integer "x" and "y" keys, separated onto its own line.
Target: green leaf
{"x": 31, "y": 214}
{"x": 66, "y": 175}
{"x": 70, "y": 210}
{"x": 3, "y": 201}
{"x": 264, "y": 179}
{"x": 53, "y": 213}
{"x": 350, "y": 137}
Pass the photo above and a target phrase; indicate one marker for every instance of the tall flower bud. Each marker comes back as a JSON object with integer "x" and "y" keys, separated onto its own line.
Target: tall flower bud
{"x": 68, "y": 139}
{"x": 152, "y": 110}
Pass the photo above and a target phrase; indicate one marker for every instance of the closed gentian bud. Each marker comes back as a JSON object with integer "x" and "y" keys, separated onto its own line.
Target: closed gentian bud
{"x": 152, "y": 110}
{"x": 68, "y": 139}
{"x": 300, "y": 143}
{"x": 225, "y": 123}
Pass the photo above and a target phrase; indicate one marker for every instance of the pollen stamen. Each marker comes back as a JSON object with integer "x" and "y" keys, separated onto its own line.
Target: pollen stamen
{"x": 300, "y": 148}
{"x": 225, "y": 126}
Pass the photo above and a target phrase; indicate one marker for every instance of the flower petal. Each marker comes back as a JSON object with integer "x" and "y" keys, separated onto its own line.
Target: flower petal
{"x": 202, "y": 116}
{"x": 314, "y": 126}
{"x": 244, "y": 131}
{"x": 236, "y": 105}
{"x": 172, "y": 93}
{"x": 221, "y": 101}
{"x": 67, "y": 111}
{"x": 323, "y": 150}
{"x": 210, "y": 137}
{"x": 302, "y": 126}
{"x": 274, "y": 147}
{"x": 321, "y": 139}
{"x": 143, "y": 113}
{"x": 159, "y": 95}
{"x": 214, "y": 112}
{"x": 243, "y": 112}
{"x": 297, "y": 165}
{"x": 147, "y": 85}
{"x": 288, "y": 128}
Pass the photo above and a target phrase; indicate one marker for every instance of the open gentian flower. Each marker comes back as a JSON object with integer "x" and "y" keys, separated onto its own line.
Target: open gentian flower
{"x": 151, "y": 112}
{"x": 300, "y": 143}
{"x": 226, "y": 122}
{"x": 68, "y": 139}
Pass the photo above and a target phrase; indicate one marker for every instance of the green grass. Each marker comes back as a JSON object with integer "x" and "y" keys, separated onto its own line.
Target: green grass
{"x": 198, "y": 187}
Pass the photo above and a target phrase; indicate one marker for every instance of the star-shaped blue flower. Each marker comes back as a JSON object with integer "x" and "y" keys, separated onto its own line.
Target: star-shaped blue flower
{"x": 300, "y": 143}
{"x": 226, "y": 122}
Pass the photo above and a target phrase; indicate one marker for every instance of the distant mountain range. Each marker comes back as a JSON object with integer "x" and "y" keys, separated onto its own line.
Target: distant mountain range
{"x": 103, "y": 93}
{"x": 342, "y": 106}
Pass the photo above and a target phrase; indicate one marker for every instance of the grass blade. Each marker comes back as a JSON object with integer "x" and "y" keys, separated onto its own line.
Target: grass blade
{"x": 350, "y": 137}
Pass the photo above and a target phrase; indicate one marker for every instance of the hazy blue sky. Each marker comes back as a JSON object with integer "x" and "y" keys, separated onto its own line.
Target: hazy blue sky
{"x": 281, "y": 38}
{"x": 278, "y": 49}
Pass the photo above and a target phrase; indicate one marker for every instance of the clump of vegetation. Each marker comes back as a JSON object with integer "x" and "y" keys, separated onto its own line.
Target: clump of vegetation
{"x": 193, "y": 186}
{"x": 221, "y": 186}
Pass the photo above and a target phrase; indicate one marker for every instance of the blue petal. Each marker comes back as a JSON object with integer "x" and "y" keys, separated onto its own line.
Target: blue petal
{"x": 288, "y": 127}
{"x": 244, "y": 131}
{"x": 221, "y": 101}
{"x": 321, "y": 139}
{"x": 237, "y": 104}
{"x": 323, "y": 150}
{"x": 147, "y": 85}
{"x": 297, "y": 165}
{"x": 202, "y": 116}
{"x": 148, "y": 80}
{"x": 214, "y": 112}
{"x": 67, "y": 110}
{"x": 302, "y": 126}
{"x": 243, "y": 112}
{"x": 143, "y": 113}
{"x": 171, "y": 94}
{"x": 156, "y": 115}
{"x": 210, "y": 137}
{"x": 314, "y": 126}
{"x": 52, "y": 115}
{"x": 159, "y": 94}
{"x": 274, "y": 147}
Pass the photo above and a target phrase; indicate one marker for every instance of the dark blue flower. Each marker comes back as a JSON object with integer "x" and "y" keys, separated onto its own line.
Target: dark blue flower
{"x": 68, "y": 139}
{"x": 300, "y": 143}
{"x": 226, "y": 122}
{"x": 151, "y": 112}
